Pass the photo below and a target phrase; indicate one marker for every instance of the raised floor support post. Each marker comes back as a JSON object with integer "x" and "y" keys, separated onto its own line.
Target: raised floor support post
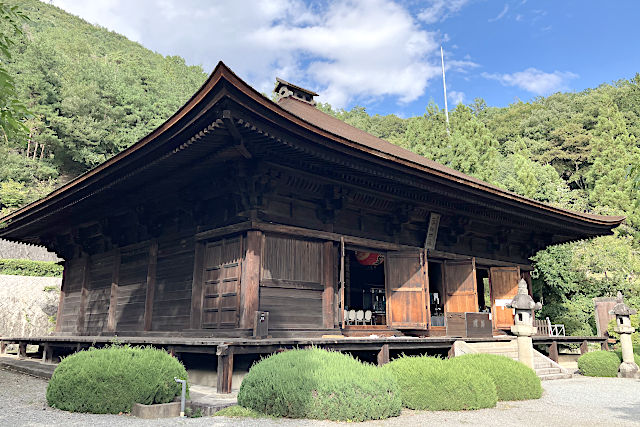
{"x": 383, "y": 355}
{"x": 22, "y": 349}
{"x": 553, "y": 351}
{"x": 3, "y": 347}
{"x": 225, "y": 369}
{"x": 584, "y": 347}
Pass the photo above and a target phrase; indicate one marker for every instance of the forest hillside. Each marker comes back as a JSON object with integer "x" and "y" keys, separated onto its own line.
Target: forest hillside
{"x": 93, "y": 93}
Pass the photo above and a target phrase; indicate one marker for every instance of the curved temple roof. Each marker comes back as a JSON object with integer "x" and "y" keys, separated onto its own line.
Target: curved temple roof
{"x": 295, "y": 112}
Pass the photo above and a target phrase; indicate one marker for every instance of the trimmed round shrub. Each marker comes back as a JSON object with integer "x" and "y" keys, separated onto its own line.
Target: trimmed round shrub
{"x": 428, "y": 383}
{"x": 599, "y": 364}
{"x": 110, "y": 380}
{"x": 513, "y": 380}
{"x": 319, "y": 384}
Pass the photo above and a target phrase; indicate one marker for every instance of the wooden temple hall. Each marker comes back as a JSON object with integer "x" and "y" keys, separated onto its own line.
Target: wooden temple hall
{"x": 243, "y": 225}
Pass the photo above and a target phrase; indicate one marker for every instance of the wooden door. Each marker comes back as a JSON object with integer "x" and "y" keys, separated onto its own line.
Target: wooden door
{"x": 221, "y": 288}
{"x": 460, "y": 286}
{"x": 407, "y": 288}
{"x": 504, "y": 286}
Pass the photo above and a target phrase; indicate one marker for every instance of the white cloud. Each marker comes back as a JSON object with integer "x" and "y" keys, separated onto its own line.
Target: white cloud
{"x": 456, "y": 97}
{"x": 439, "y": 10}
{"x": 343, "y": 50}
{"x": 535, "y": 81}
{"x": 501, "y": 14}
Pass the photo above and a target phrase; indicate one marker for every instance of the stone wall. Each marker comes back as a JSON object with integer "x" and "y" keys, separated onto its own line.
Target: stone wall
{"x": 28, "y": 305}
{"x": 12, "y": 250}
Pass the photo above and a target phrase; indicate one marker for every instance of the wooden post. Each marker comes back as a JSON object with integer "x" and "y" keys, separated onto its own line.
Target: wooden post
{"x": 383, "y": 355}
{"x": 112, "y": 321}
{"x": 46, "y": 353}
{"x": 584, "y": 347}
{"x": 604, "y": 345}
{"x": 22, "y": 349}
{"x": 328, "y": 278}
{"x": 197, "y": 286}
{"x": 225, "y": 369}
{"x": 83, "y": 296}
{"x": 61, "y": 301}
{"x": 151, "y": 285}
{"x": 553, "y": 351}
{"x": 3, "y": 347}
{"x": 250, "y": 280}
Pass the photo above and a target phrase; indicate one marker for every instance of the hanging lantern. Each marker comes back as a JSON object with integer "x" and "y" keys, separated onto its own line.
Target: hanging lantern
{"x": 369, "y": 258}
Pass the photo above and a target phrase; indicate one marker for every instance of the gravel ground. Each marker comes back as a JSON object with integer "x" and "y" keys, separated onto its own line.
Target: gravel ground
{"x": 579, "y": 401}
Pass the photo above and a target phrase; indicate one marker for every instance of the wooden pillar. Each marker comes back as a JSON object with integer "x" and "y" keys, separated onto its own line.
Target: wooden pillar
{"x": 197, "y": 286}
{"x": 112, "y": 321}
{"x": 604, "y": 345}
{"x": 22, "y": 349}
{"x": 553, "y": 351}
{"x": 329, "y": 285}
{"x": 151, "y": 285}
{"x": 47, "y": 355}
{"x": 3, "y": 347}
{"x": 65, "y": 275}
{"x": 584, "y": 347}
{"x": 383, "y": 355}
{"x": 225, "y": 369}
{"x": 83, "y": 296}
{"x": 250, "y": 280}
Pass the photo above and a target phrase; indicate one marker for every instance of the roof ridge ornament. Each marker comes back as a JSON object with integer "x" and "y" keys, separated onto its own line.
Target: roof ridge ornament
{"x": 285, "y": 89}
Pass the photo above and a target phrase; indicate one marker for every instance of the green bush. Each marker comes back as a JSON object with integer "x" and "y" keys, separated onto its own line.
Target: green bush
{"x": 319, "y": 384}
{"x": 438, "y": 385}
{"x": 513, "y": 380}
{"x": 25, "y": 267}
{"x": 237, "y": 411}
{"x": 110, "y": 380}
{"x": 599, "y": 364}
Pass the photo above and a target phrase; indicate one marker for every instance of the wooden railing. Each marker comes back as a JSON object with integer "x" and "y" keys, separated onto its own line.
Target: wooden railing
{"x": 546, "y": 328}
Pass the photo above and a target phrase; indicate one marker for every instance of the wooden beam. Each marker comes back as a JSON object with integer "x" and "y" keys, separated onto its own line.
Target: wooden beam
{"x": 65, "y": 276}
{"x": 328, "y": 280}
{"x": 383, "y": 355}
{"x": 197, "y": 285}
{"x": 224, "y": 231}
{"x": 225, "y": 370}
{"x": 553, "y": 351}
{"x": 250, "y": 279}
{"x": 479, "y": 261}
{"x": 151, "y": 284}
{"x": 112, "y": 321}
{"x": 83, "y": 296}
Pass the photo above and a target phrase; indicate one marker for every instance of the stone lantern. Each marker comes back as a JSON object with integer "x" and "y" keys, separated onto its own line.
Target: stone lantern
{"x": 523, "y": 328}
{"x": 628, "y": 367}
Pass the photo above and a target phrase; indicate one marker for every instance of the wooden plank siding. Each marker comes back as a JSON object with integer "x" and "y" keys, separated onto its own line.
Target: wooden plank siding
{"x": 132, "y": 288}
{"x": 98, "y": 293}
{"x": 74, "y": 274}
{"x": 291, "y": 285}
{"x": 174, "y": 276}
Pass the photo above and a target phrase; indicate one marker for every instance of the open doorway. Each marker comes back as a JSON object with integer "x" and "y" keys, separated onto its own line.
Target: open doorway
{"x": 365, "y": 299}
{"x": 436, "y": 294}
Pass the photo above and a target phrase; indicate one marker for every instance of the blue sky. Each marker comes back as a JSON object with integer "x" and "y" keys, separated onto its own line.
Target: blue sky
{"x": 384, "y": 54}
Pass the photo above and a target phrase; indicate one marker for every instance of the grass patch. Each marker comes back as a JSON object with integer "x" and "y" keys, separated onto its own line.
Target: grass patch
{"x": 599, "y": 364}
{"x": 237, "y": 411}
{"x": 513, "y": 380}
{"x": 110, "y": 380}
{"x": 429, "y": 383}
{"x": 319, "y": 384}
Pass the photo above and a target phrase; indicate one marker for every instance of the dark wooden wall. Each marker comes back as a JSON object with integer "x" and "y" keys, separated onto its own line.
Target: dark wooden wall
{"x": 291, "y": 287}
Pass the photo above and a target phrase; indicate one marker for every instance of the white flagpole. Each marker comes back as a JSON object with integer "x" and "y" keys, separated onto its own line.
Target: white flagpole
{"x": 444, "y": 85}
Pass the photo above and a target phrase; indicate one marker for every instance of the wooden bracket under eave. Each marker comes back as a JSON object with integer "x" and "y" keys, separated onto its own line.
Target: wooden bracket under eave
{"x": 235, "y": 134}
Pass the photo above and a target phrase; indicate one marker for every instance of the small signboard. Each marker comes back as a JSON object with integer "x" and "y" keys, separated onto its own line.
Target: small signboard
{"x": 432, "y": 231}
